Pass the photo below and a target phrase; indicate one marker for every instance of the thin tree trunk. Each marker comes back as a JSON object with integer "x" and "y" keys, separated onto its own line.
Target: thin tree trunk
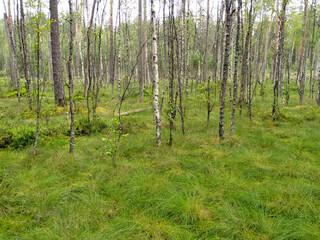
{"x": 25, "y": 57}
{"x": 155, "y": 75}
{"x": 235, "y": 74}
{"x": 111, "y": 68}
{"x": 311, "y": 50}
{"x": 164, "y": 54}
{"x": 43, "y": 65}
{"x": 141, "y": 56}
{"x": 179, "y": 60}
{"x": 244, "y": 68}
{"x": 70, "y": 69}
{"x": 278, "y": 70}
{"x": 302, "y": 56}
{"x": 318, "y": 93}
{"x": 119, "y": 53}
{"x": 79, "y": 45}
{"x": 145, "y": 45}
{"x": 251, "y": 57}
{"x": 266, "y": 47}
{"x": 13, "y": 61}
{"x": 38, "y": 80}
{"x": 88, "y": 67}
{"x": 228, "y": 22}
{"x": 187, "y": 75}
{"x": 99, "y": 63}
{"x": 172, "y": 102}
{"x": 209, "y": 108}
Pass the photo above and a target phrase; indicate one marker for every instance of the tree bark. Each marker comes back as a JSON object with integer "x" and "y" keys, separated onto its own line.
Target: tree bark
{"x": 187, "y": 49}
{"x": 155, "y": 75}
{"x": 111, "y": 68}
{"x": 164, "y": 54}
{"x": 38, "y": 79}
{"x": 179, "y": 63}
{"x": 119, "y": 52}
{"x": 145, "y": 45}
{"x": 228, "y": 22}
{"x": 266, "y": 47}
{"x": 278, "y": 70}
{"x": 235, "y": 74}
{"x": 311, "y": 50}
{"x": 172, "y": 100}
{"x": 88, "y": 68}
{"x": 244, "y": 67}
{"x": 302, "y": 56}
{"x": 318, "y": 93}
{"x": 13, "y": 60}
{"x": 70, "y": 69}
{"x": 141, "y": 56}
{"x": 59, "y": 94}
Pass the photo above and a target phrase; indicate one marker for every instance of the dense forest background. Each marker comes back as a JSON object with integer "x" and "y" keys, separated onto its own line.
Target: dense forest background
{"x": 199, "y": 48}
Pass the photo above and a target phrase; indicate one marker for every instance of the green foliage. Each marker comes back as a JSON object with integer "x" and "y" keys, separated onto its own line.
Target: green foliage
{"x": 196, "y": 58}
{"x": 203, "y": 89}
{"x": 111, "y": 141}
{"x": 146, "y": 93}
{"x": 262, "y": 183}
{"x": 13, "y": 93}
{"x": 17, "y": 137}
{"x": 79, "y": 95}
{"x": 84, "y": 127}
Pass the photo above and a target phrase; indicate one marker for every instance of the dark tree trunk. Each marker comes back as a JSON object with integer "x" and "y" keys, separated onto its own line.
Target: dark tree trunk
{"x": 59, "y": 94}
{"x": 38, "y": 80}
{"x": 318, "y": 93}
{"x": 244, "y": 67}
{"x": 141, "y": 55}
{"x": 179, "y": 63}
{"x": 235, "y": 75}
{"x": 111, "y": 68}
{"x": 13, "y": 60}
{"x": 88, "y": 71}
{"x": 172, "y": 100}
{"x": 164, "y": 55}
{"x": 278, "y": 70}
{"x": 266, "y": 46}
{"x": 302, "y": 57}
{"x": 228, "y": 22}
{"x": 311, "y": 50}
{"x": 70, "y": 69}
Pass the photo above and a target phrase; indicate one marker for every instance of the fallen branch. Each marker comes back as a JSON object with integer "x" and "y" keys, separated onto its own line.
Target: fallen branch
{"x": 134, "y": 111}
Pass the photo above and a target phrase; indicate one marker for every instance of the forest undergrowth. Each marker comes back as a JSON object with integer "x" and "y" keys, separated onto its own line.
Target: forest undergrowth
{"x": 261, "y": 183}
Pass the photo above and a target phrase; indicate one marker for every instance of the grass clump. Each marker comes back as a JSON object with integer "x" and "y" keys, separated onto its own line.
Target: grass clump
{"x": 261, "y": 183}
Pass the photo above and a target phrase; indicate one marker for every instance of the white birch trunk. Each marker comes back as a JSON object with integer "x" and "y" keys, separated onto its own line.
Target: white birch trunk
{"x": 155, "y": 75}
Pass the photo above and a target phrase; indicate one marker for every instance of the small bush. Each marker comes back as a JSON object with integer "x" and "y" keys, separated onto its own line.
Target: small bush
{"x": 84, "y": 127}
{"x": 79, "y": 95}
{"x": 17, "y": 137}
{"x": 146, "y": 93}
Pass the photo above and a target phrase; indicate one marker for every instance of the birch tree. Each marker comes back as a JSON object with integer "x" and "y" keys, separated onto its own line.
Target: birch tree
{"x": 235, "y": 74}
{"x": 155, "y": 75}
{"x": 141, "y": 69}
{"x": 279, "y": 59}
{"x": 302, "y": 56}
{"x": 70, "y": 69}
{"x": 228, "y": 26}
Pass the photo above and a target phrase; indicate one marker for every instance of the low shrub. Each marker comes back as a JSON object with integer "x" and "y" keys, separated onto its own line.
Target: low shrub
{"x": 84, "y": 127}
{"x": 17, "y": 137}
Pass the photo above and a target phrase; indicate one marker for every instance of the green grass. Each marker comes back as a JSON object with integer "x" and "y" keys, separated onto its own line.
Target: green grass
{"x": 261, "y": 183}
